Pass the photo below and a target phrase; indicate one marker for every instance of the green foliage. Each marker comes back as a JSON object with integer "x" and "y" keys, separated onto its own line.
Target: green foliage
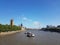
{"x": 6, "y": 28}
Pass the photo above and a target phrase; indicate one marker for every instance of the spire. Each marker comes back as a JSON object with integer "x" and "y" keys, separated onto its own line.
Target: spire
{"x": 21, "y": 25}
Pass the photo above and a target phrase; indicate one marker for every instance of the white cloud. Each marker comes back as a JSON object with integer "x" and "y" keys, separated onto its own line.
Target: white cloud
{"x": 31, "y": 23}
{"x": 36, "y": 24}
{"x": 26, "y": 19}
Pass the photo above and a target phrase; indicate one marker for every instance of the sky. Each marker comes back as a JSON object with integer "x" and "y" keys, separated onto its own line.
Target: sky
{"x": 31, "y": 13}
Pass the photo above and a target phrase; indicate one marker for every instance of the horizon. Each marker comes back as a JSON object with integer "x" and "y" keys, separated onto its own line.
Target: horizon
{"x": 31, "y": 13}
{"x": 23, "y": 25}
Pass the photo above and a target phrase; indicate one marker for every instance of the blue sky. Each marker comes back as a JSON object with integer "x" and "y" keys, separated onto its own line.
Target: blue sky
{"x": 32, "y": 13}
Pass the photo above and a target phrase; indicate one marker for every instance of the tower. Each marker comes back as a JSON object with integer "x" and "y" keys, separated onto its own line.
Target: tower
{"x": 21, "y": 25}
{"x": 11, "y": 22}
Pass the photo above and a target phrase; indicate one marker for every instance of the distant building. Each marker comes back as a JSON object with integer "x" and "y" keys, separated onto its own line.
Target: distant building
{"x": 11, "y": 22}
{"x": 58, "y": 26}
{"x": 50, "y": 26}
